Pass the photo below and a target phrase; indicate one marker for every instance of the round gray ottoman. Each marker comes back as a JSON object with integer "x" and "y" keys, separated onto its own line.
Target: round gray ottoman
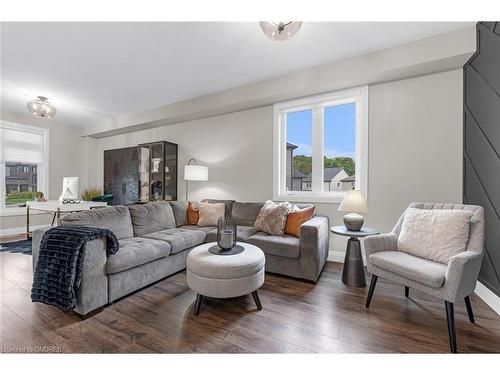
{"x": 225, "y": 276}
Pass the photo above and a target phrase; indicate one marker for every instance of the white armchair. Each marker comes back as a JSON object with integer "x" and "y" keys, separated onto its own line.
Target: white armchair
{"x": 451, "y": 282}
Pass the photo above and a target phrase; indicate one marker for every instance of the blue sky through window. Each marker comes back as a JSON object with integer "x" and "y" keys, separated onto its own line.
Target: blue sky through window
{"x": 339, "y": 128}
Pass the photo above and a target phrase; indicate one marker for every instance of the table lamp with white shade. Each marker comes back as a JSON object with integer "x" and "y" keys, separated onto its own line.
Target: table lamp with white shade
{"x": 354, "y": 204}
{"x": 194, "y": 172}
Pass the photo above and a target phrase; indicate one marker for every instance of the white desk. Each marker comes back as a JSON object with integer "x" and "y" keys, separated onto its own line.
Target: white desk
{"x": 56, "y": 208}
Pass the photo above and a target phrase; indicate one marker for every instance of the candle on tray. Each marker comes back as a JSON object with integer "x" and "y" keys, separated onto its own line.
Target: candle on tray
{"x": 226, "y": 239}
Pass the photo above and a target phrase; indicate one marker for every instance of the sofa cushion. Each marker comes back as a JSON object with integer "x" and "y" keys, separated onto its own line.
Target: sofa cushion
{"x": 134, "y": 252}
{"x": 418, "y": 269}
{"x": 210, "y": 213}
{"x": 151, "y": 217}
{"x": 196, "y": 227}
{"x": 436, "y": 235}
{"x": 272, "y": 218}
{"x": 228, "y": 204}
{"x": 242, "y": 234}
{"x": 283, "y": 246}
{"x": 245, "y": 213}
{"x": 179, "y": 239}
{"x": 115, "y": 218}
{"x": 180, "y": 212}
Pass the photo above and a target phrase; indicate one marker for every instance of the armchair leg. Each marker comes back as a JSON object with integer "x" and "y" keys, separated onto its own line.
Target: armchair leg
{"x": 407, "y": 291}
{"x": 450, "y": 316}
{"x": 371, "y": 290}
{"x": 469, "y": 309}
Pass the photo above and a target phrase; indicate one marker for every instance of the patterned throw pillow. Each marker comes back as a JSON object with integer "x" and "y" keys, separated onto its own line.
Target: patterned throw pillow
{"x": 210, "y": 213}
{"x": 272, "y": 218}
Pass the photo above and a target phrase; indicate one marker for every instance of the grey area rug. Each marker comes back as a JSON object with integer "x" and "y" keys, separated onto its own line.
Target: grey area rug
{"x": 21, "y": 247}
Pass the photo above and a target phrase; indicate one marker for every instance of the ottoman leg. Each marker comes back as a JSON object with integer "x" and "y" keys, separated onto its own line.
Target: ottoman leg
{"x": 257, "y": 299}
{"x": 197, "y": 305}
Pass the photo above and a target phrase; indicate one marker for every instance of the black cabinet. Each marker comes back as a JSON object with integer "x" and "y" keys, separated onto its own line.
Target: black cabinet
{"x": 157, "y": 171}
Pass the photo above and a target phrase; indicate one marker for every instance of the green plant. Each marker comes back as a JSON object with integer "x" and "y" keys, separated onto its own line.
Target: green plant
{"x": 91, "y": 192}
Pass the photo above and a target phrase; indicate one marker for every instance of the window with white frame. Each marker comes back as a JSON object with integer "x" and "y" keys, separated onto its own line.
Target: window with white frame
{"x": 320, "y": 146}
{"x": 23, "y": 164}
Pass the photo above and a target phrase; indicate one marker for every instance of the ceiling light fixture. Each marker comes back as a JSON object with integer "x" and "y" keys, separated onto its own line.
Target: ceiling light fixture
{"x": 280, "y": 31}
{"x": 41, "y": 107}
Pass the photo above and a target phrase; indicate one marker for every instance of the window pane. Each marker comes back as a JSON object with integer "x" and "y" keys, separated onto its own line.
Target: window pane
{"x": 20, "y": 183}
{"x": 339, "y": 147}
{"x": 298, "y": 150}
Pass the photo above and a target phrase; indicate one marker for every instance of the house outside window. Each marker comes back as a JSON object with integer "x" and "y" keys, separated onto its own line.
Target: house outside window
{"x": 23, "y": 165}
{"x": 320, "y": 146}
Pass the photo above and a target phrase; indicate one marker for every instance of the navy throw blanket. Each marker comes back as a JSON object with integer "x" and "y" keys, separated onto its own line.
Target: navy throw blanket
{"x": 60, "y": 263}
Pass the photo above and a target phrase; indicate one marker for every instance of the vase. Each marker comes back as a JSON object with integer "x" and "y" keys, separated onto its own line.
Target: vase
{"x": 226, "y": 233}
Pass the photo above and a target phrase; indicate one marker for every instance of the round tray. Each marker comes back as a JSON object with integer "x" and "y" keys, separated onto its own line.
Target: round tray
{"x": 236, "y": 249}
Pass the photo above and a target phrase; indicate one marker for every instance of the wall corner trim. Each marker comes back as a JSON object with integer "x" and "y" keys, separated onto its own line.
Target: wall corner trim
{"x": 490, "y": 298}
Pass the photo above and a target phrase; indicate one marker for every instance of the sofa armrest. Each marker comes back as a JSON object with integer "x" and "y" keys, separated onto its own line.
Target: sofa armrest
{"x": 314, "y": 246}
{"x": 93, "y": 290}
{"x": 461, "y": 275}
{"x": 35, "y": 244}
{"x": 380, "y": 242}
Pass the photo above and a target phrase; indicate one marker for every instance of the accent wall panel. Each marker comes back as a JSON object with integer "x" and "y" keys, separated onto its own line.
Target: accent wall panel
{"x": 121, "y": 174}
{"x": 482, "y": 143}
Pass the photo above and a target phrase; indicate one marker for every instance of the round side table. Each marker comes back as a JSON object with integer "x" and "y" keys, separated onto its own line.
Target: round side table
{"x": 353, "y": 273}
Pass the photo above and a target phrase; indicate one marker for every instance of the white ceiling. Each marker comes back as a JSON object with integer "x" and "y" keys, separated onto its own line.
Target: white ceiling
{"x": 93, "y": 72}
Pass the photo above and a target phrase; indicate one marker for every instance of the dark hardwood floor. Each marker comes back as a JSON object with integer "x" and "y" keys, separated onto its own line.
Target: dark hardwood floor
{"x": 298, "y": 317}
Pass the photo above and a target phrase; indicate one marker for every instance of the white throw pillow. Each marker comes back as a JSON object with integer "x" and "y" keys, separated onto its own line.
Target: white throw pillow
{"x": 210, "y": 213}
{"x": 436, "y": 235}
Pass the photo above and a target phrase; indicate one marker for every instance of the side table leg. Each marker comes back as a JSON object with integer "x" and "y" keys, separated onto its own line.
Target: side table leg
{"x": 353, "y": 273}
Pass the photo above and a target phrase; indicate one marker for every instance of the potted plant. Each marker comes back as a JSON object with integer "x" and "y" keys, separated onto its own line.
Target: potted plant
{"x": 91, "y": 192}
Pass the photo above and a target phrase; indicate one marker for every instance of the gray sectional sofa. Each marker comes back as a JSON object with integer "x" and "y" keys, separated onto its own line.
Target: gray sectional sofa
{"x": 155, "y": 240}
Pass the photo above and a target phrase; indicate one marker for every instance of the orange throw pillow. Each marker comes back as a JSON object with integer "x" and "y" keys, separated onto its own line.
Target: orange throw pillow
{"x": 296, "y": 218}
{"x": 192, "y": 214}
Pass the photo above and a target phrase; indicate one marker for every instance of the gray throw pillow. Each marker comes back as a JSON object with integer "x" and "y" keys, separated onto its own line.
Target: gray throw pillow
{"x": 272, "y": 218}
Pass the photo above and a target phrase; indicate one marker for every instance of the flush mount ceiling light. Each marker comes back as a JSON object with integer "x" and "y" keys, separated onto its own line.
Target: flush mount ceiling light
{"x": 41, "y": 107}
{"x": 280, "y": 31}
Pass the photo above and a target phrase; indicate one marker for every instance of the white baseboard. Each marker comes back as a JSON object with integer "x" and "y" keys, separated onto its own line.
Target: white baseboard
{"x": 490, "y": 298}
{"x": 335, "y": 256}
{"x": 19, "y": 230}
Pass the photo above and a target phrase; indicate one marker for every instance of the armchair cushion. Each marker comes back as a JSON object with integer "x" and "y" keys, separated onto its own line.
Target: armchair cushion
{"x": 421, "y": 270}
{"x": 436, "y": 235}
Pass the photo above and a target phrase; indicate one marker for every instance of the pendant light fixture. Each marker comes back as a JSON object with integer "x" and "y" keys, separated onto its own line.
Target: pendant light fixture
{"x": 282, "y": 30}
{"x": 41, "y": 107}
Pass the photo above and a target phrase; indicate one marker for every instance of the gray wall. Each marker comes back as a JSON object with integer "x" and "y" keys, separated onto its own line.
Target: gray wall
{"x": 482, "y": 143}
{"x": 415, "y": 150}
